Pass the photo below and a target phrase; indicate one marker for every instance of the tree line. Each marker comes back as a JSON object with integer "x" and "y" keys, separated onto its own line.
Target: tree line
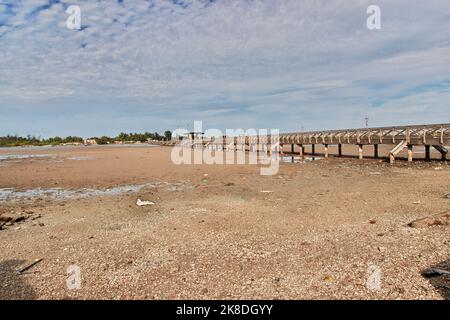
{"x": 29, "y": 140}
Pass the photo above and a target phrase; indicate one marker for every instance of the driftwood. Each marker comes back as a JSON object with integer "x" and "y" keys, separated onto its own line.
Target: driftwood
{"x": 441, "y": 219}
{"x": 435, "y": 272}
{"x": 29, "y": 266}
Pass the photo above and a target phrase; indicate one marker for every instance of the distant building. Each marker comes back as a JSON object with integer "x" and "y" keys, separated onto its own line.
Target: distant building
{"x": 90, "y": 141}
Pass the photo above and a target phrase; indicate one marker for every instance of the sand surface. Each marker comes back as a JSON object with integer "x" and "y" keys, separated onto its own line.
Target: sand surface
{"x": 316, "y": 230}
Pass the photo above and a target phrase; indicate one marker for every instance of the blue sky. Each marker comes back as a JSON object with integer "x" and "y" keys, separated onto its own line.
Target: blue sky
{"x": 141, "y": 65}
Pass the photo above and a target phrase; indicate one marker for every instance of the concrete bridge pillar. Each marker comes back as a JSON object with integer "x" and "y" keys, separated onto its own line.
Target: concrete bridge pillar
{"x": 360, "y": 151}
{"x": 427, "y": 152}
{"x": 340, "y": 150}
{"x": 410, "y": 153}
{"x": 326, "y": 150}
{"x": 301, "y": 151}
{"x": 443, "y": 150}
{"x": 313, "y": 147}
{"x": 444, "y": 155}
{"x": 375, "y": 151}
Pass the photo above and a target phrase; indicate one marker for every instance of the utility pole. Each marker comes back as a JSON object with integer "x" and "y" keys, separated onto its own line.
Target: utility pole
{"x": 366, "y": 119}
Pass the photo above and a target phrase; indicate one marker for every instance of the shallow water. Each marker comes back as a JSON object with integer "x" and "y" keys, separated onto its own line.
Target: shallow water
{"x": 11, "y": 194}
{"x": 12, "y": 157}
{"x": 80, "y": 158}
{"x": 23, "y": 156}
{"x": 49, "y": 147}
{"x": 297, "y": 159}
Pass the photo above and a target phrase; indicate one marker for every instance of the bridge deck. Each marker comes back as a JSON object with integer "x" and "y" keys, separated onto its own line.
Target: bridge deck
{"x": 401, "y": 137}
{"x": 436, "y": 134}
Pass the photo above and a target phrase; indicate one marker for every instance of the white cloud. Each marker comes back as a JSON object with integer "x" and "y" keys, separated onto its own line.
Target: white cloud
{"x": 252, "y": 59}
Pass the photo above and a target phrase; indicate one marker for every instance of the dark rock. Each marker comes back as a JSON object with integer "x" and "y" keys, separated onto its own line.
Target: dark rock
{"x": 19, "y": 219}
{"x": 6, "y": 218}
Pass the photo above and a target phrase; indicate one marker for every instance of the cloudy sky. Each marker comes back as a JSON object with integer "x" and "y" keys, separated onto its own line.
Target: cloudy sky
{"x": 152, "y": 65}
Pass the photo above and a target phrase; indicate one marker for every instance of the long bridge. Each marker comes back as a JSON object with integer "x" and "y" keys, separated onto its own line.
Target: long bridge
{"x": 396, "y": 138}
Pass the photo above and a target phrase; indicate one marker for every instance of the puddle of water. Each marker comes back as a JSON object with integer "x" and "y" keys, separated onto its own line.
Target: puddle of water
{"x": 10, "y": 194}
{"x": 313, "y": 158}
{"x": 23, "y": 156}
{"x": 291, "y": 159}
{"x": 12, "y": 157}
{"x": 288, "y": 159}
{"x": 80, "y": 158}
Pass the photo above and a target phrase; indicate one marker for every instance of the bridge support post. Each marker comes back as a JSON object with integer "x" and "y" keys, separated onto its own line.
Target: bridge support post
{"x": 292, "y": 148}
{"x": 427, "y": 152}
{"x": 360, "y": 151}
{"x": 375, "y": 151}
{"x": 443, "y": 150}
{"x": 410, "y": 152}
{"x": 391, "y": 158}
{"x": 301, "y": 151}
{"x": 313, "y": 152}
{"x": 326, "y": 150}
{"x": 399, "y": 147}
{"x": 340, "y": 150}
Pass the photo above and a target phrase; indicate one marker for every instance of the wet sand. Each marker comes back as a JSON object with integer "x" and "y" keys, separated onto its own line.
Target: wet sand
{"x": 314, "y": 230}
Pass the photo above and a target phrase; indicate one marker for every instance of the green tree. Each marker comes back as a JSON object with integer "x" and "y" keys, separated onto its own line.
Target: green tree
{"x": 103, "y": 140}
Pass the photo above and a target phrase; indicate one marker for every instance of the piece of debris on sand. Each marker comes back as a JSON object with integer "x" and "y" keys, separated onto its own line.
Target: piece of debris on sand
{"x": 441, "y": 219}
{"x": 29, "y": 266}
{"x": 141, "y": 203}
{"x": 435, "y": 272}
{"x": 9, "y": 218}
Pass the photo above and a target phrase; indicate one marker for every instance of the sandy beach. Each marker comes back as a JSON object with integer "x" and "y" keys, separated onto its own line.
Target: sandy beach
{"x": 316, "y": 230}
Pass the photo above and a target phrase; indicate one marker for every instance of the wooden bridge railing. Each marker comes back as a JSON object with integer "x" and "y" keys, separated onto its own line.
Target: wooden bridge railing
{"x": 436, "y": 135}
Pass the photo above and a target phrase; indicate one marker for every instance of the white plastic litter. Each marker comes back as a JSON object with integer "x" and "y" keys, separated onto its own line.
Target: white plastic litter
{"x": 141, "y": 203}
